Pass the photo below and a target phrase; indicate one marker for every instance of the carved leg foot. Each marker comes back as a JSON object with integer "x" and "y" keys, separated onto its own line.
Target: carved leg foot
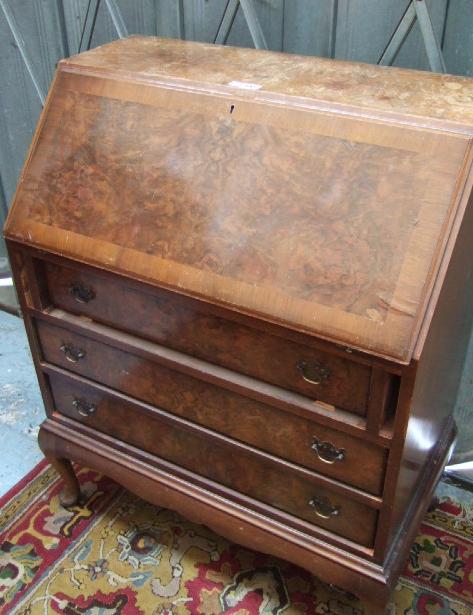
{"x": 53, "y": 452}
{"x": 70, "y": 494}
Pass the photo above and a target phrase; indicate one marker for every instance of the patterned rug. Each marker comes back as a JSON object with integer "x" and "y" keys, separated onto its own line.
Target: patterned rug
{"x": 116, "y": 554}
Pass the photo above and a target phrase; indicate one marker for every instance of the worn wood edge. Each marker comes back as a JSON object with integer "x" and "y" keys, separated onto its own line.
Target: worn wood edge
{"x": 227, "y": 518}
{"x": 7, "y": 227}
{"x": 355, "y": 493}
{"x": 268, "y": 96}
{"x": 464, "y": 200}
{"x": 441, "y": 258}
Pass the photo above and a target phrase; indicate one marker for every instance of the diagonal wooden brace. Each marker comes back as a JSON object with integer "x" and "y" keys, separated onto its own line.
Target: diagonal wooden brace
{"x": 416, "y": 10}
{"x": 249, "y": 11}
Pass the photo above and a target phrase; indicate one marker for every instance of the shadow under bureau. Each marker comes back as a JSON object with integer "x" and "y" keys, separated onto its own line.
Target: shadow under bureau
{"x": 246, "y": 279}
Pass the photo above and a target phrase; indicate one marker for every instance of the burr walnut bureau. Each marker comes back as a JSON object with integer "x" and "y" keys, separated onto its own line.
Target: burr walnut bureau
{"x": 246, "y": 279}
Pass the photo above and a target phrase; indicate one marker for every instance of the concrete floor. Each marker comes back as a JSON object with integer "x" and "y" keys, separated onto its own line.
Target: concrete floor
{"x": 21, "y": 406}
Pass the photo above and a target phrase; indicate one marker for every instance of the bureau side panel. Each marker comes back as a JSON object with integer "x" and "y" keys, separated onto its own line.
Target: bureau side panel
{"x": 431, "y": 384}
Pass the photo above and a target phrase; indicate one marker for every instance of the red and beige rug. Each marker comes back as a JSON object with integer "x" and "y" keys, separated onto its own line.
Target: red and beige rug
{"x": 116, "y": 554}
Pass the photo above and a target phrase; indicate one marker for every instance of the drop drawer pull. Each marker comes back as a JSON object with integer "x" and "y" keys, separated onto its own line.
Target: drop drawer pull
{"x": 72, "y": 353}
{"x": 323, "y": 508}
{"x": 313, "y": 372}
{"x": 327, "y": 452}
{"x": 81, "y": 292}
{"x": 83, "y": 407}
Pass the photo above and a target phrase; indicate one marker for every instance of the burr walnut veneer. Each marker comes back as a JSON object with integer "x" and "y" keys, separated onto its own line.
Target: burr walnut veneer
{"x": 246, "y": 279}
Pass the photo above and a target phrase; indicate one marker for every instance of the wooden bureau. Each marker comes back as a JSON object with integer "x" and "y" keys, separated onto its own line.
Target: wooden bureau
{"x": 246, "y": 279}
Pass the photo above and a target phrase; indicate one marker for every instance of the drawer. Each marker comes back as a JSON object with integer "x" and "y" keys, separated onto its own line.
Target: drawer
{"x": 214, "y": 458}
{"x": 186, "y": 325}
{"x": 328, "y": 451}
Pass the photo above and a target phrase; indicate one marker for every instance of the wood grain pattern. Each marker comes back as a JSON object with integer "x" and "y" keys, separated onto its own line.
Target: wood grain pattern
{"x": 316, "y": 262}
{"x": 244, "y": 473}
{"x": 224, "y": 411}
{"x": 285, "y": 400}
{"x": 186, "y": 325}
{"x": 170, "y": 187}
{"x": 415, "y": 93}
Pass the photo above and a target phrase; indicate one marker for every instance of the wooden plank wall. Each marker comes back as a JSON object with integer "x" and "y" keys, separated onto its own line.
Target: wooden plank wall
{"x": 35, "y": 34}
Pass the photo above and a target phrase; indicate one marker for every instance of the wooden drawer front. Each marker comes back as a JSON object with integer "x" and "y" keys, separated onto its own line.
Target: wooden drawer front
{"x": 244, "y": 471}
{"x": 181, "y": 323}
{"x": 286, "y": 435}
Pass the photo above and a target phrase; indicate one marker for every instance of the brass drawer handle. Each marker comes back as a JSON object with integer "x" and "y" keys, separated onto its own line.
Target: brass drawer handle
{"x": 81, "y": 292}
{"x": 72, "y": 353}
{"x": 83, "y": 407}
{"x": 327, "y": 452}
{"x": 323, "y": 508}
{"x": 313, "y": 372}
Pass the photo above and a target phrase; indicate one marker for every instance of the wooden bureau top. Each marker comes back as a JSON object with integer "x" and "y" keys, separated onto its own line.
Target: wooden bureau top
{"x": 250, "y": 179}
{"x": 385, "y": 89}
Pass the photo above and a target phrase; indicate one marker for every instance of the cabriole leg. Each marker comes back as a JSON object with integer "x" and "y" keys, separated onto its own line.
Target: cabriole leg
{"x": 70, "y": 494}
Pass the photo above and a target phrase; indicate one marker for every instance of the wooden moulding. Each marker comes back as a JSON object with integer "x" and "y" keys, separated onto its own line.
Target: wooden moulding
{"x": 239, "y": 383}
{"x": 150, "y": 479}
